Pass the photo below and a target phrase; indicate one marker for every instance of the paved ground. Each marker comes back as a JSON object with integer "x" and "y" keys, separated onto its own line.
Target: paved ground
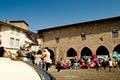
{"x": 85, "y": 74}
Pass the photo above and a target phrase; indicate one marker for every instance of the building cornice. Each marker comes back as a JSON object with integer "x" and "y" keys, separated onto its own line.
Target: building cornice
{"x": 19, "y": 22}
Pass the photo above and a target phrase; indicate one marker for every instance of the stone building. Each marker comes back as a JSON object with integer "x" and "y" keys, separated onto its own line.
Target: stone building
{"x": 100, "y": 37}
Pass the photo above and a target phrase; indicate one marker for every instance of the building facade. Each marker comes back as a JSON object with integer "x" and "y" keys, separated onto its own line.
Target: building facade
{"x": 14, "y": 34}
{"x": 99, "y": 37}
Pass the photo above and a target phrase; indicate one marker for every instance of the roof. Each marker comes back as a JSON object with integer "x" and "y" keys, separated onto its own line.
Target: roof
{"x": 118, "y": 17}
{"x": 28, "y": 33}
{"x": 8, "y": 24}
{"x": 19, "y": 21}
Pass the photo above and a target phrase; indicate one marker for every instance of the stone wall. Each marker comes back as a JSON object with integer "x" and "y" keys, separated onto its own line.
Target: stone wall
{"x": 98, "y": 33}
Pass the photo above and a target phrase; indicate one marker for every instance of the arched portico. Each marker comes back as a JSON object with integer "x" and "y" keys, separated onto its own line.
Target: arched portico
{"x": 86, "y": 52}
{"x": 117, "y": 48}
{"x": 102, "y": 52}
{"x": 71, "y": 52}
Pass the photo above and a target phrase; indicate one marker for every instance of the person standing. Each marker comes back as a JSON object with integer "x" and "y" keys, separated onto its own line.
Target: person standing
{"x": 58, "y": 65}
{"x": 38, "y": 60}
{"x": 89, "y": 63}
{"x": 96, "y": 60}
{"x": 47, "y": 59}
{"x": 110, "y": 65}
{"x": 3, "y": 51}
{"x": 114, "y": 63}
{"x": 104, "y": 64}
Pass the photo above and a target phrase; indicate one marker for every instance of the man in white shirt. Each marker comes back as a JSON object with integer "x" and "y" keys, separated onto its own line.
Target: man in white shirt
{"x": 47, "y": 59}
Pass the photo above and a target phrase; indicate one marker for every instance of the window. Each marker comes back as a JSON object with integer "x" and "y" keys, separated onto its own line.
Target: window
{"x": 17, "y": 43}
{"x": 83, "y": 36}
{"x": 12, "y": 30}
{"x": 11, "y": 41}
{"x": 114, "y": 33}
{"x": 57, "y": 38}
{"x": 18, "y": 31}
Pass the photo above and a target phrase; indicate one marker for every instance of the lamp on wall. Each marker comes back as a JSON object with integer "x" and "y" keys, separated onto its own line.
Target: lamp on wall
{"x": 57, "y": 38}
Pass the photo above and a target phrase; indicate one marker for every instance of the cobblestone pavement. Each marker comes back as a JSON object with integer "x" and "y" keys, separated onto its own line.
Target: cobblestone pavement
{"x": 85, "y": 74}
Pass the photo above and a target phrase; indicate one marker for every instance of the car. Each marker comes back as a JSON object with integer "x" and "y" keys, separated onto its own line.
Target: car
{"x": 11, "y": 69}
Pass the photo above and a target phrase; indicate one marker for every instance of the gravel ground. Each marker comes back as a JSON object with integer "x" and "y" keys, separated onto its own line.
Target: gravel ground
{"x": 85, "y": 74}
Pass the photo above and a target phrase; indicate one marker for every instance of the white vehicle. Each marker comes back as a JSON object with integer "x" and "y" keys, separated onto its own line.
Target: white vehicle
{"x": 20, "y": 70}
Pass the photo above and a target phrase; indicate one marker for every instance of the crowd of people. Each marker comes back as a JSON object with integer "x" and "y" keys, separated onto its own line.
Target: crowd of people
{"x": 42, "y": 58}
{"x": 93, "y": 62}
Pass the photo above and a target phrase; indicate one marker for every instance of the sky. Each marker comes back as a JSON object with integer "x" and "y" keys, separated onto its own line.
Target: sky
{"x": 43, "y": 14}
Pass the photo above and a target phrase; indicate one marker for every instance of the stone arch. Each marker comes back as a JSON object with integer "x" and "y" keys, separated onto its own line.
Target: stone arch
{"x": 102, "y": 51}
{"x": 86, "y": 52}
{"x": 71, "y": 52}
{"x": 117, "y": 48}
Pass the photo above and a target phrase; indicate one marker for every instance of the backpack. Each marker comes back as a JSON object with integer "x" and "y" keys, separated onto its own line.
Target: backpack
{"x": 1, "y": 51}
{"x": 51, "y": 54}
